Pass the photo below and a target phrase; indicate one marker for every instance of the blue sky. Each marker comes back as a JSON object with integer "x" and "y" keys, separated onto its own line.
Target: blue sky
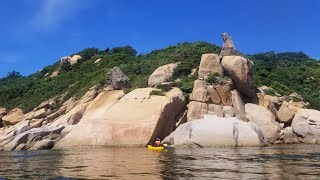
{"x": 37, "y": 33}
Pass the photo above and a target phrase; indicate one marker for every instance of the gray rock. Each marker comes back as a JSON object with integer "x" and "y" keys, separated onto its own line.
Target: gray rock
{"x": 32, "y": 136}
{"x": 117, "y": 80}
{"x": 21, "y": 147}
{"x": 214, "y": 131}
{"x": 228, "y": 48}
{"x": 306, "y": 123}
{"x": 43, "y": 144}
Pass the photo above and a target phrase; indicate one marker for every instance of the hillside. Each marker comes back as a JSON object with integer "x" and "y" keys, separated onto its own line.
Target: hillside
{"x": 285, "y": 72}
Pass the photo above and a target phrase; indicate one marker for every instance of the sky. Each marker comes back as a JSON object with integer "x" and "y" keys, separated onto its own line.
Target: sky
{"x": 37, "y": 33}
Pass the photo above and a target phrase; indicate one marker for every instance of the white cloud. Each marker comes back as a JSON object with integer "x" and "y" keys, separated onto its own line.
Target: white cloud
{"x": 52, "y": 13}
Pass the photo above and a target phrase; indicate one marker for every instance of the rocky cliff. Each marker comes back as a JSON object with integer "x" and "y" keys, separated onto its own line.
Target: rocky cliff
{"x": 224, "y": 109}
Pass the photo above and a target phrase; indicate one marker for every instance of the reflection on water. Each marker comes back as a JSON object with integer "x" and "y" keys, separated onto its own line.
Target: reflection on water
{"x": 277, "y": 162}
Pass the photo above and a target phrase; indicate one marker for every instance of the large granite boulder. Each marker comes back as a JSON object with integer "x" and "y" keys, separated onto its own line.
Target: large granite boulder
{"x": 13, "y": 117}
{"x": 265, "y": 120}
{"x": 117, "y": 80}
{"x": 210, "y": 63}
{"x": 240, "y": 70}
{"x": 228, "y": 48}
{"x": 214, "y": 131}
{"x": 287, "y": 112}
{"x": 134, "y": 120}
{"x": 43, "y": 144}
{"x": 306, "y": 123}
{"x": 3, "y": 112}
{"x": 162, "y": 74}
{"x": 74, "y": 59}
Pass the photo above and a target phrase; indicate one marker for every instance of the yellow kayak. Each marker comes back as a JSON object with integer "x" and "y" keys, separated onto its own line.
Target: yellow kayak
{"x": 155, "y": 148}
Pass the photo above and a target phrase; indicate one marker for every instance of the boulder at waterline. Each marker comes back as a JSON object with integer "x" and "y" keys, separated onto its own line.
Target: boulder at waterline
{"x": 214, "y": 131}
{"x": 306, "y": 123}
{"x": 265, "y": 120}
{"x": 134, "y": 120}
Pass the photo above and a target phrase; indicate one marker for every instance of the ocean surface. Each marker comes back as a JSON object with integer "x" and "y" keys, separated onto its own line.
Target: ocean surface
{"x": 275, "y": 162}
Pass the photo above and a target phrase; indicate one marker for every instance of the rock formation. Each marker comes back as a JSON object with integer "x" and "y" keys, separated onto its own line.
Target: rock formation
{"x": 214, "y": 131}
{"x": 228, "y": 48}
{"x": 162, "y": 74}
{"x": 132, "y": 120}
{"x": 240, "y": 70}
{"x": 117, "y": 80}
{"x": 306, "y": 124}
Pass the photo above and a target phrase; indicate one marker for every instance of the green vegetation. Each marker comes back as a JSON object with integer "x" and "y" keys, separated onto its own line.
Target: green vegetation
{"x": 289, "y": 72}
{"x": 285, "y": 72}
{"x": 157, "y": 93}
{"x": 28, "y": 92}
{"x": 212, "y": 77}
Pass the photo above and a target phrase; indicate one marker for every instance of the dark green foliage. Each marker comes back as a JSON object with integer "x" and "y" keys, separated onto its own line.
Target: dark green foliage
{"x": 125, "y": 49}
{"x": 157, "y": 93}
{"x": 212, "y": 78}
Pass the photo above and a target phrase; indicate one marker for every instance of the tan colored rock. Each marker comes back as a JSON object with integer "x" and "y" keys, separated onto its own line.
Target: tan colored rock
{"x": 213, "y": 95}
{"x": 97, "y": 61}
{"x": 224, "y": 94}
{"x": 210, "y": 63}
{"x": 89, "y": 96}
{"x": 13, "y": 117}
{"x": 36, "y": 124}
{"x": 199, "y": 92}
{"x": 238, "y": 105}
{"x": 162, "y": 74}
{"x": 74, "y": 59}
{"x": 289, "y": 137}
{"x": 264, "y": 101}
{"x": 3, "y": 111}
{"x": 196, "y": 110}
{"x": 135, "y": 120}
{"x": 56, "y": 114}
{"x": 306, "y": 123}
{"x": 41, "y": 113}
{"x": 240, "y": 70}
{"x": 214, "y": 109}
{"x": 286, "y": 112}
{"x": 228, "y": 111}
{"x": 265, "y": 120}
{"x": 54, "y": 74}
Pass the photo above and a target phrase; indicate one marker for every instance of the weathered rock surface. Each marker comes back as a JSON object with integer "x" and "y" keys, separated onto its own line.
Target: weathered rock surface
{"x": 268, "y": 102}
{"x": 214, "y": 131}
{"x": 13, "y": 117}
{"x": 286, "y": 112}
{"x": 210, "y": 63}
{"x": 162, "y": 74}
{"x": 240, "y": 70}
{"x": 200, "y": 93}
{"x": 117, "y": 80}
{"x": 238, "y": 105}
{"x": 32, "y": 136}
{"x": 306, "y": 123}
{"x": 54, "y": 74}
{"x": 97, "y": 61}
{"x": 289, "y": 137}
{"x": 265, "y": 120}
{"x": 228, "y": 48}
{"x": 43, "y": 144}
{"x": 134, "y": 120}
{"x": 228, "y": 111}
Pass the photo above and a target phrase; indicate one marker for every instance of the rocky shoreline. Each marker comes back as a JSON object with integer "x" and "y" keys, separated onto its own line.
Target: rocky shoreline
{"x": 224, "y": 109}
